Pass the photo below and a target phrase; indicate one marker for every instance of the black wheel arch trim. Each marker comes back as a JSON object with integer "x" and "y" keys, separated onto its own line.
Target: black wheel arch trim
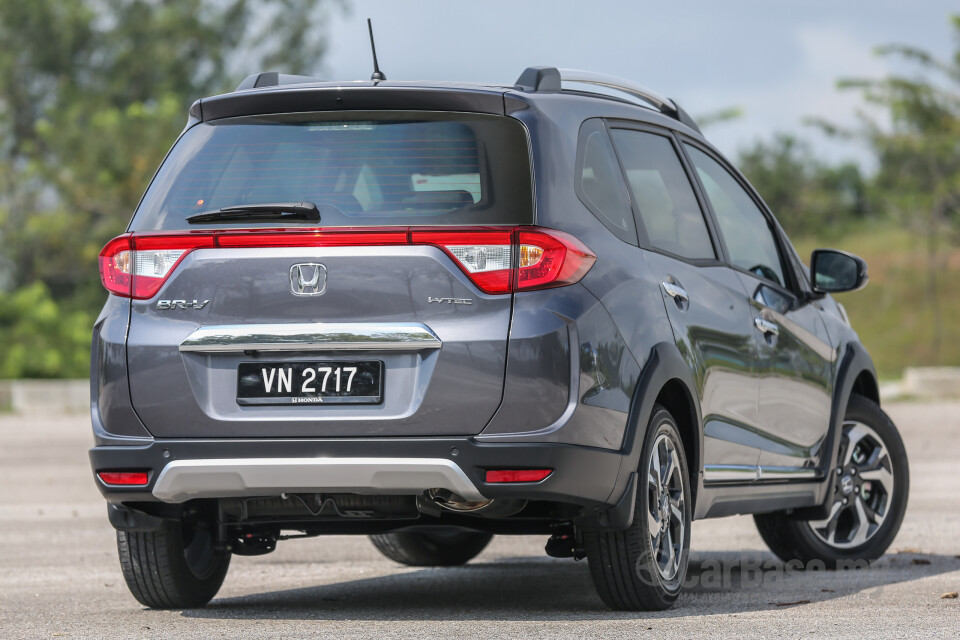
{"x": 855, "y": 364}
{"x": 665, "y": 364}
{"x": 856, "y": 374}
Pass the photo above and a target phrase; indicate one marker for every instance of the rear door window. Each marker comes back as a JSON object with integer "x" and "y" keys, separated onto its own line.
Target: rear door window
{"x": 371, "y": 169}
{"x": 668, "y": 208}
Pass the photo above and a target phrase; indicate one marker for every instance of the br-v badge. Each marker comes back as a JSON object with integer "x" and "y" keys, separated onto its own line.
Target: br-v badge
{"x": 308, "y": 279}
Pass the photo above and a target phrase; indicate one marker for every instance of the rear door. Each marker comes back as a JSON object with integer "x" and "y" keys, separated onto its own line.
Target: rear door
{"x": 385, "y": 318}
{"x": 704, "y": 299}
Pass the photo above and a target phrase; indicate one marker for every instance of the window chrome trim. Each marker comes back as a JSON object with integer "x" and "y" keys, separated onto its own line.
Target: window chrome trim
{"x": 318, "y": 336}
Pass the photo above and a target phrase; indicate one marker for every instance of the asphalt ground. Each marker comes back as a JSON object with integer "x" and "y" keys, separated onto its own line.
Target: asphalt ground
{"x": 59, "y": 574}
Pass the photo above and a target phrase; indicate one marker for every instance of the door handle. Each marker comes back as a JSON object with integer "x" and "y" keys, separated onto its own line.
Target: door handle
{"x": 676, "y": 292}
{"x": 766, "y": 327}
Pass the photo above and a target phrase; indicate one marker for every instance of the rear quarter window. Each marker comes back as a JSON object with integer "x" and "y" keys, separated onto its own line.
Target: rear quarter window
{"x": 599, "y": 181}
{"x": 372, "y": 169}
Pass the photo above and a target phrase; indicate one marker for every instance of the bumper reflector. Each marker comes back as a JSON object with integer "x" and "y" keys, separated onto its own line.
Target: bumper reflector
{"x": 517, "y": 475}
{"x": 124, "y": 478}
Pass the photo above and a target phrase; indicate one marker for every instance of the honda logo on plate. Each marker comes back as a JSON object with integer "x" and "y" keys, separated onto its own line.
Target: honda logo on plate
{"x": 308, "y": 279}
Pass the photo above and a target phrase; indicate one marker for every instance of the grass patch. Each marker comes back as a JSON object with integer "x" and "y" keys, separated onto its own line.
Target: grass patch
{"x": 894, "y": 316}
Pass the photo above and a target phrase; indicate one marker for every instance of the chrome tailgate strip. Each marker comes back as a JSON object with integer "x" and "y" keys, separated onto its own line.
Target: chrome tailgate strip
{"x": 317, "y": 336}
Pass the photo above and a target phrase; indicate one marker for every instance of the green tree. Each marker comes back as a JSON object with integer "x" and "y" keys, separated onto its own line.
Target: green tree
{"x": 918, "y": 149}
{"x": 806, "y": 195}
{"x": 92, "y": 93}
{"x": 40, "y": 340}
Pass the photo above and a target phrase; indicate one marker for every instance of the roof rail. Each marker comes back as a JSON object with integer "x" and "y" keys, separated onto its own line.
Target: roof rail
{"x": 534, "y": 79}
{"x": 272, "y": 79}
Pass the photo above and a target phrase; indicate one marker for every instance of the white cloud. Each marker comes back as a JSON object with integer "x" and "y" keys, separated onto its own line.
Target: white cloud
{"x": 826, "y": 53}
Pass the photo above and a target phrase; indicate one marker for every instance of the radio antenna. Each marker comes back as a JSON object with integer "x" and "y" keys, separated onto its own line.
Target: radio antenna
{"x": 377, "y": 74}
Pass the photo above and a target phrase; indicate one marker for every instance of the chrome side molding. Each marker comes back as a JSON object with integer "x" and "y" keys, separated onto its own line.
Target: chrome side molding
{"x": 318, "y": 336}
{"x": 786, "y": 473}
{"x": 729, "y": 473}
{"x": 754, "y": 473}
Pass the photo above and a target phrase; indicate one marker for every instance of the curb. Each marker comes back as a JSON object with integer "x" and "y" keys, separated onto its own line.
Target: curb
{"x": 45, "y": 397}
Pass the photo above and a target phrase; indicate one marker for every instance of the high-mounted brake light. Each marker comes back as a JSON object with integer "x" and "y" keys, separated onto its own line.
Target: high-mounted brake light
{"x": 517, "y": 475}
{"x": 124, "y": 478}
{"x": 496, "y": 260}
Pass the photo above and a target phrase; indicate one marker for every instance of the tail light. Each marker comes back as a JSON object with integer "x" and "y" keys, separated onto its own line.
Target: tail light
{"x": 495, "y": 260}
{"x": 523, "y": 259}
{"x": 137, "y": 266}
{"x": 486, "y": 257}
{"x": 116, "y": 266}
{"x": 550, "y": 259}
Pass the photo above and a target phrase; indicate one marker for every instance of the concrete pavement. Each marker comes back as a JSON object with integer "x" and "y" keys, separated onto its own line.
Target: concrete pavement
{"x": 59, "y": 575}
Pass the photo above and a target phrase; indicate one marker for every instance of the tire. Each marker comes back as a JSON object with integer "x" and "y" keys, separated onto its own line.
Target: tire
{"x": 629, "y": 568}
{"x": 445, "y": 547}
{"x": 174, "y": 567}
{"x": 865, "y": 514}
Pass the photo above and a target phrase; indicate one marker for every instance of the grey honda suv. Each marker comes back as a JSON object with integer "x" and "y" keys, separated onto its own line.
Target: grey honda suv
{"x": 431, "y": 313}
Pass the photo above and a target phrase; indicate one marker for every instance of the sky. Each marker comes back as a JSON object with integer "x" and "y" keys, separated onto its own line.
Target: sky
{"x": 777, "y": 60}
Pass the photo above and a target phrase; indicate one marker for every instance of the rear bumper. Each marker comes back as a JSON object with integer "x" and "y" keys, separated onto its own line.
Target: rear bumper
{"x": 180, "y": 470}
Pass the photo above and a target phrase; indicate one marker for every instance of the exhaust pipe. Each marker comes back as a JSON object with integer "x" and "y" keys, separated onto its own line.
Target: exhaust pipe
{"x": 451, "y": 501}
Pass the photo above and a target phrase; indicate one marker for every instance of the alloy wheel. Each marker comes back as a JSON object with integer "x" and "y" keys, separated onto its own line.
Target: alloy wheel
{"x": 665, "y": 507}
{"x": 863, "y": 489}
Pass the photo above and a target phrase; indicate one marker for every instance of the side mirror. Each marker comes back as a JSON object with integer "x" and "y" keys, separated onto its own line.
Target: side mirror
{"x": 834, "y": 271}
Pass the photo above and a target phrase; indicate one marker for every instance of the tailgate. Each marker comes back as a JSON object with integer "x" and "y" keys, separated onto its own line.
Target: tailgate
{"x": 441, "y": 342}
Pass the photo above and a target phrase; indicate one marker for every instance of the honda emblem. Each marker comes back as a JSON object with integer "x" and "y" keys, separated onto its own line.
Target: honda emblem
{"x": 309, "y": 279}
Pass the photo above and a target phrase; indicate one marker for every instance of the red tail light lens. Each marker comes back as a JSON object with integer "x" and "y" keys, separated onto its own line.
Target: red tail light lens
{"x": 523, "y": 259}
{"x": 155, "y": 258}
{"x": 116, "y": 266}
{"x": 550, "y": 258}
{"x": 124, "y": 478}
{"x": 486, "y": 257}
{"x": 517, "y": 475}
{"x": 495, "y": 260}
{"x": 137, "y": 266}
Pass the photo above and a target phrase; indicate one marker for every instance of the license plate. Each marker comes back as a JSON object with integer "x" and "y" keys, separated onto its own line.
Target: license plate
{"x": 310, "y": 382}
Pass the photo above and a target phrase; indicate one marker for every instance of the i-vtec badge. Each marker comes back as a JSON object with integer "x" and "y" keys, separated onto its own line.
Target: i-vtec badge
{"x": 181, "y": 304}
{"x": 449, "y": 300}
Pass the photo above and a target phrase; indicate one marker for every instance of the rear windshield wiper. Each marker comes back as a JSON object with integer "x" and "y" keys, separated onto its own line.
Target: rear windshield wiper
{"x": 267, "y": 211}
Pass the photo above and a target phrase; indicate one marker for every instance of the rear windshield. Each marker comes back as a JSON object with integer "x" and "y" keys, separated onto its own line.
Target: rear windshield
{"x": 361, "y": 169}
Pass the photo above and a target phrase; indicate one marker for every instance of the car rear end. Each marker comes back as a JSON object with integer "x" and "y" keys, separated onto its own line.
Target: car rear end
{"x": 275, "y": 372}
